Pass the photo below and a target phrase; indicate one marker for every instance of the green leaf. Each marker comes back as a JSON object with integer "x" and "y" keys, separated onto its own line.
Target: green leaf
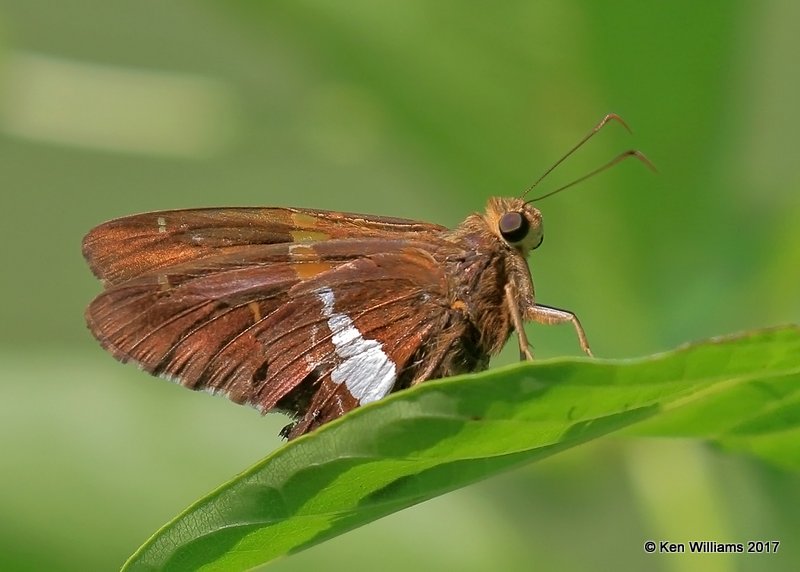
{"x": 741, "y": 392}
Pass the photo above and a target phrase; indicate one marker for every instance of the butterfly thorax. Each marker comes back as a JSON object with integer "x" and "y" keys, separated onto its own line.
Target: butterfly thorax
{"x": 479, "y": 277}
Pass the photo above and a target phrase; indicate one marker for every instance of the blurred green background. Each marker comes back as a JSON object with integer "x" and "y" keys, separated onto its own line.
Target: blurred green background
{"x": 416, "y": 109}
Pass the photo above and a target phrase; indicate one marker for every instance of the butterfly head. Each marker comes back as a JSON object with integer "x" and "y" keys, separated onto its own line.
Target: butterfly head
{"x": 517, "y": 223}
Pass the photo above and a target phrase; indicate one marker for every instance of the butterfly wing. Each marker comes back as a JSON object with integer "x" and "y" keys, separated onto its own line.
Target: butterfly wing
{"x": 125, "y": 248}
{"x": 314, "y": 328}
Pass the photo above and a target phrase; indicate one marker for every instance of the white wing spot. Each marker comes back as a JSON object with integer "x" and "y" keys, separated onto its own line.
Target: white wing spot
{"x": 162, "y": 224}
{"x": 366, "y": 370}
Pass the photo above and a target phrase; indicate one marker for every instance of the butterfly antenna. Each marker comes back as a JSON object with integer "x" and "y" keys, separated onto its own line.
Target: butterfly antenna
{"x": 618, "y": 159}
{"x": 595, "y": 129}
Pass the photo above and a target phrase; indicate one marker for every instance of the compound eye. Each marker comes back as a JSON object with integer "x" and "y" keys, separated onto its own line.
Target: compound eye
{"x": 514, "y": 226}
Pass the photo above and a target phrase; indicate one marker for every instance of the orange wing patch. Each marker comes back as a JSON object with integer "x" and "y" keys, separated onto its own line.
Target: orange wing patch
{"x": 307, "y": 263}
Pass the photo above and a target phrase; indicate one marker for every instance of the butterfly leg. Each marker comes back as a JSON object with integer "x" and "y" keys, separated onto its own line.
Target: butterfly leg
{"x": 519, "y": 325}
{"x": 551, "y": 316}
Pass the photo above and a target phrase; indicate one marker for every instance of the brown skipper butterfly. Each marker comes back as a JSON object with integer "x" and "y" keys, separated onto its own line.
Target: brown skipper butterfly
{"x": 316, "y": 312}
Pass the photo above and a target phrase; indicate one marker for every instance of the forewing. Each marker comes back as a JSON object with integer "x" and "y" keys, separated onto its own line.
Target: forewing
{"x": 129, "y": 247}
